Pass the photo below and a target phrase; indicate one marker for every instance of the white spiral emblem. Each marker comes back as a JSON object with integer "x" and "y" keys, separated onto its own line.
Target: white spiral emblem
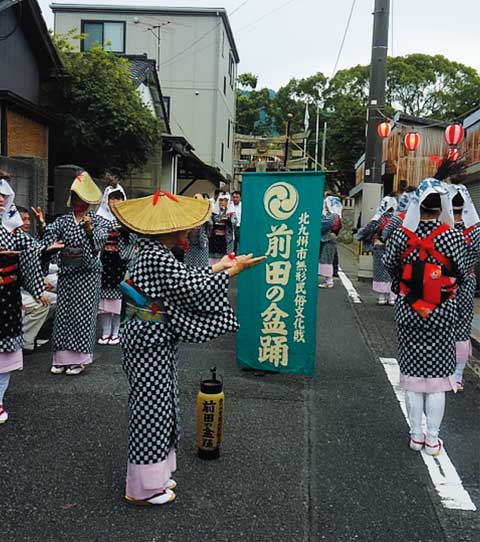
{"x": 281, "y": 200}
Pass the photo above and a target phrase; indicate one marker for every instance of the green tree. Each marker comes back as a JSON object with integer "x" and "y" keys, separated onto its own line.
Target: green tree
{"x": 292, "y": 98}
{"x": 104, "y": 122}
{"x": 247, "y": 81}
{"x": 253, "y": 107}
{"x": 431, "y": 86}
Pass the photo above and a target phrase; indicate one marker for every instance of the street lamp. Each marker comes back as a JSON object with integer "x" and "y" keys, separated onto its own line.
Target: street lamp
{"x": 287, "y": 139}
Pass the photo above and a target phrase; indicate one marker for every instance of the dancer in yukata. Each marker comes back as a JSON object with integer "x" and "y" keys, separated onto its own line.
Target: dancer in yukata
{"x": 196, "y": 254}
{"x": 397, "y": 219}
{"x": 222, "y": 237}
{"x": 371, "y": 235}
{"x": 468, "y": 223}
{"x": 427, "y": 260}
{"x": 20, "y": 267}
{"x": 331, "y": 224}
{"x": 167, "y": 302}
{"x": 84, "y": 235}
{"x": 118, "y": 251}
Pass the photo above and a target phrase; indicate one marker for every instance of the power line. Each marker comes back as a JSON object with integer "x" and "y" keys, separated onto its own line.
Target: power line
{"x": 188, "y": 47}
{"x": 274, "y": 10}
{"x": 343, "y": 39}
{"x": 240, "y": 30}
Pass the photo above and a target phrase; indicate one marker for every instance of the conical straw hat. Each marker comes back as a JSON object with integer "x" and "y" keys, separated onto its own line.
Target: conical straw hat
{"x": 162, "y": 213}
{"x": 86, "y": 189}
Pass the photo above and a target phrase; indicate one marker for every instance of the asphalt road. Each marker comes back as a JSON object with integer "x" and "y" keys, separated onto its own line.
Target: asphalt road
{"x": 303, "y": 460}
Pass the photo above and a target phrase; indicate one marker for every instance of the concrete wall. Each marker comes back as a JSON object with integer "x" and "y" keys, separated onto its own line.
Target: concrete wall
{"x": 29, "y": 180}
{"x": 192, "y": 76}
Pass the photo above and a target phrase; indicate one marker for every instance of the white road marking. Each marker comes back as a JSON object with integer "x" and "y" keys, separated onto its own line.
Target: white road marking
{"x": 444, "y": 476}
{"x": 347, "y": 283}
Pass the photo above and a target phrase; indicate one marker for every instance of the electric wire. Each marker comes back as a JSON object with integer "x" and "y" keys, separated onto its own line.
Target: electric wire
{"x": 193, "y": 43}
{"x": 343, "y": 39}
{"x": 274, "y": 10}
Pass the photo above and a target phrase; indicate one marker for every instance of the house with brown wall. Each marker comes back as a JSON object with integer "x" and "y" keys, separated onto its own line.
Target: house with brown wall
{"x": 28, "y": 63}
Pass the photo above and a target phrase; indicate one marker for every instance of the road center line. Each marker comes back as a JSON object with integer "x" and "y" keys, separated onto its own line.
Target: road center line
{"x": 444, "y": 476}
{"x": 347, "y": 283}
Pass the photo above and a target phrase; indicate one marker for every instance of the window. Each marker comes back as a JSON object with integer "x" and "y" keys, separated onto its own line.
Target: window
{"x": 166, "y": 103}
{"x": 228, "y": 132}
{"x": 223, "y": 44}
{"x": 225, "y": 84}
{"x": 231, "y": 70}
{"x": 109, "y": 34}
{"x": 222, "y": 152}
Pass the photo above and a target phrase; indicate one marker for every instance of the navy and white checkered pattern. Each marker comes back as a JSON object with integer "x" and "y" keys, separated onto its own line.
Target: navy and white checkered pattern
{"x": 328, "y": 246}
{"x": 31, "y": 279}
{"x": 395, "y": 223}
{"x": 426, "y": 346}
{"x": 368, "y": 234}
{"x": 197, "y": 253}
{"x": 115, "y": 264}
{"x": 199, "y": 310}
{"x": 78, "y": 287}
{"x": 465, "y": 301}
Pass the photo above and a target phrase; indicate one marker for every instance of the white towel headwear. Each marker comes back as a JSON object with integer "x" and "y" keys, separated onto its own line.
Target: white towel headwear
{"x": 388, "y": 202}
{"x": 469, "y": 212}
{"x": 425, "y": 188}
{"x": 104, "y": 210}
{"x": 10, "y": 218}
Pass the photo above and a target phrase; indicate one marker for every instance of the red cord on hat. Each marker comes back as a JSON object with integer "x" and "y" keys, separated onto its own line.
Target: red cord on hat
{"x": 159, "y": 193}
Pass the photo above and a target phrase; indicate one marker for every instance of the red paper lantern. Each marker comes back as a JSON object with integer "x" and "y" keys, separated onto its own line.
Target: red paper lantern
{"x": 454, "y": 134}
{"x": 453, "y": 154}
{"x": 412, "y": 140}
{"x": 384, "y": 129}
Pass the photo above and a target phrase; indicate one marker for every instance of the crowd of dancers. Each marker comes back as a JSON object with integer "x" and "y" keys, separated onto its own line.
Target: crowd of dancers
{"x": 164, "y": 262}
{"x": 72, "y": 269}
{"x": 425, "y": 244}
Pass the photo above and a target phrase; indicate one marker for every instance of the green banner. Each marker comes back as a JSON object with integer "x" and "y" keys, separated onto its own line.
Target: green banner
{"x": 277, "y": 301}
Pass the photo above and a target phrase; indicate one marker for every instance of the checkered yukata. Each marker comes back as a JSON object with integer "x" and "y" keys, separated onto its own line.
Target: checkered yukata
{"x": 196, "y": 301}
{"x": 117, "y": 253}
{"x": 369, "y": 234}
{"x": 27, "y": 273}
{"x": 426, "y": 346}
{"x": 78, "y": 287}
{"x": 466, "y": 293}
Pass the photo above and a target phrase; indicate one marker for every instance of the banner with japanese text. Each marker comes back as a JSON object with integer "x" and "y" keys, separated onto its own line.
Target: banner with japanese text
{"x": 277, "y": 300}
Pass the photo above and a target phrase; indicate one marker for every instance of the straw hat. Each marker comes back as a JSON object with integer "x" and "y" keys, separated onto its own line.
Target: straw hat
{"x": 162, "y": 213}
{"x": 86, "y": 189}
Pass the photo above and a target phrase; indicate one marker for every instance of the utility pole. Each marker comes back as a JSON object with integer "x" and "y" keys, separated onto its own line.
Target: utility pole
{"x": 372, "y": 182}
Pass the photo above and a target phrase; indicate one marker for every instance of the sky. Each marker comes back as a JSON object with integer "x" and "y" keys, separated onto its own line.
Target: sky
{"x": 281, "y": 39}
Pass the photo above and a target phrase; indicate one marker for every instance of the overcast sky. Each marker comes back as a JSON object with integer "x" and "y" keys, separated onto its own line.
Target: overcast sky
{"x": 304, "y": 36}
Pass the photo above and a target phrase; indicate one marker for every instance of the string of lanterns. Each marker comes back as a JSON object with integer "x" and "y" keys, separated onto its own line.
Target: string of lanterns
{"x": 454, "y": 135}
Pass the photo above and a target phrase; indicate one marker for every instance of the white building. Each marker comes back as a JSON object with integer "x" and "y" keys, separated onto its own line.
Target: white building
{"x": 197, "y": 58}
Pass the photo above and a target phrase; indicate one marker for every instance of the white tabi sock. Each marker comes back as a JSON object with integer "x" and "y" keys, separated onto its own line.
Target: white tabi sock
{"x": 4, "y": 381}
{"x": 115, "y": 324}
{"x": 106, "y": 321}
{"x": 434, "y": 410}
{"x": 414, "y": 403}
{"x": 459, "y": 371}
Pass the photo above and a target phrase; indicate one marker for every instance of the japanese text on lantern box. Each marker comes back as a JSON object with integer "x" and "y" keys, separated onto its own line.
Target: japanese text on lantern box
{"x": 274, "y": 344}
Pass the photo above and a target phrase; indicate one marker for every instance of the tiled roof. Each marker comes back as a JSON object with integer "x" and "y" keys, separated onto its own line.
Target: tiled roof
{"x": 139, "y": 67}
